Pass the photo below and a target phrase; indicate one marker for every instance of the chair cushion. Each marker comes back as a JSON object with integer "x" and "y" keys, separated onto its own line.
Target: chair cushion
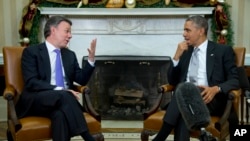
{"x": 94, "y": 125}
{"x": 154, "y": 122}
{"x": 34, "y": 128}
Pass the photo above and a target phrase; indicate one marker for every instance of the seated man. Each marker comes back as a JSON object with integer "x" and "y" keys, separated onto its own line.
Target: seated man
{"x": 208, "y": 65}
{"x": 49, "y": 70}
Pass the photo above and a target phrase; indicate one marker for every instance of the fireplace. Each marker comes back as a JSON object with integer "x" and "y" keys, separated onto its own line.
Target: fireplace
{"x": 123, "y": 87}
{"x": 146, "y": 34}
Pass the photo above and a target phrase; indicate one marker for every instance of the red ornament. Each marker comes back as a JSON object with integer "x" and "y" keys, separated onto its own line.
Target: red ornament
{"x": 222, "y": 39}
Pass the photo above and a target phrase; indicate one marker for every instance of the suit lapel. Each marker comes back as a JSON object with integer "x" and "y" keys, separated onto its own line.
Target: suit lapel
{"x": 210, "y": 59}
{"x": 45, "y": 62}
{"x": 66, "y": 65}
{"x": 186, "y": 60}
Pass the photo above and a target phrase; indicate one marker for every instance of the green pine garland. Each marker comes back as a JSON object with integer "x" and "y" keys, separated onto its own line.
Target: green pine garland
{"x": 34, "y": 38}
{"x": 34, "y": 32}
{"x": 229, "y": 36}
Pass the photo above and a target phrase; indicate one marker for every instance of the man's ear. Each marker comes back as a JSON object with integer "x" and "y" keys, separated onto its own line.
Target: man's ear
{"x": 52, "y": 29}
{"x": 202, "y": 30}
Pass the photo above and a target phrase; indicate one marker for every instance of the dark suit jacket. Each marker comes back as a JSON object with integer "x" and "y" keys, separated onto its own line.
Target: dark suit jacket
{"x": 220, "y": 65}
{"x": 37, "y": 73}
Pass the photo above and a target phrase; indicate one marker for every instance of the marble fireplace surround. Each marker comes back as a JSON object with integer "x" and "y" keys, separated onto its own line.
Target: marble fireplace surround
{"x": 122, "y": 31}
{"x": 126, "y": 32}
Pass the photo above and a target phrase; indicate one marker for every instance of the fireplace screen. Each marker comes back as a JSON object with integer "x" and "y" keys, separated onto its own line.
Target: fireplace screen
{"x": 123, "y": 87}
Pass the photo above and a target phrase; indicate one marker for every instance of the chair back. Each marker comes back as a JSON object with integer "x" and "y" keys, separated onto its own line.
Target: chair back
{"x": 12, "y": 68}
{"x": 240, "y": 56}
{"x": 243, "y": 81}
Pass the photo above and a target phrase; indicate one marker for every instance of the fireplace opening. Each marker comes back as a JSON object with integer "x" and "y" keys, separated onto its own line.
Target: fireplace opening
{"x": 124, "y": 87}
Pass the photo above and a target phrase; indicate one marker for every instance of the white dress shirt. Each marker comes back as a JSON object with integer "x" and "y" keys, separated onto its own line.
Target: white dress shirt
{"x": 52, "y": 58}
{"x": 202, "y": 71}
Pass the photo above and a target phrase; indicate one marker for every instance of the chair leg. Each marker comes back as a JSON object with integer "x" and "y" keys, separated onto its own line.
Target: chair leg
{"x": 98, "y": 137}
{"x": 247, "y": 112}
{"x": 9, "y": 136}
{"x": 242, "y": 109}
{"x": 144, "y": 135}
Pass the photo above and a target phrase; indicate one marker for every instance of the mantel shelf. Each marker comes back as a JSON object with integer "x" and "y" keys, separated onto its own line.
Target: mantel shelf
{"x": 126, "y": 11}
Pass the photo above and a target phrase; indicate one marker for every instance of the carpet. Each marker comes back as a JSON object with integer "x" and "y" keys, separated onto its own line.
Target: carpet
{"x": 121, "y": 130}
{"x": 110, "y": 134}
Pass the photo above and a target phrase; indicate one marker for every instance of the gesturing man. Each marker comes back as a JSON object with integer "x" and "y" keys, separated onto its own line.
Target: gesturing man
{"x": 49, "y": 70}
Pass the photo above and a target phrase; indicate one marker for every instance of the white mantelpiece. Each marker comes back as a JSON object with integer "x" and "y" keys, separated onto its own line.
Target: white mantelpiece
{"x": 126, "y": 11}
{"x": 122, "y": 31}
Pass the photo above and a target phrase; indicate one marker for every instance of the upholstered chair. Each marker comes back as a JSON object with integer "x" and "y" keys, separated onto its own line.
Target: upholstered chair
{"x": 32, "y": 127}
{"x": 218, "y": 127}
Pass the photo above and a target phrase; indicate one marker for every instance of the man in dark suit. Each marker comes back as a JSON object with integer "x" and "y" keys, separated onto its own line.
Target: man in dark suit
{"x": 216, "y": 75}
{"x": 42, "y": 96}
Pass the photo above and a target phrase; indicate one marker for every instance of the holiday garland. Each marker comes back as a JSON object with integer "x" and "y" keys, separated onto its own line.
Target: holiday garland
{"x": 220, "y": 25}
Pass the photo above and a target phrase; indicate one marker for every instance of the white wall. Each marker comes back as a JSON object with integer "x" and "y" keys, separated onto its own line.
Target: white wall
{"x": 240, "y": 19}
{"x": 10, "y": 15}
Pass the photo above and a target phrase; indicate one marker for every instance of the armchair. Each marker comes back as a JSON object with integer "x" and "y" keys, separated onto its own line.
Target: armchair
{"x": 32, "y": 127}
{"x": 218, "y": 127}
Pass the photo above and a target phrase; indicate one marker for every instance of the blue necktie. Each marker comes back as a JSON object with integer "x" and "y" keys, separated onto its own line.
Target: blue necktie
{"x": 194, "y": 65}
{"x": 58, "y": 68}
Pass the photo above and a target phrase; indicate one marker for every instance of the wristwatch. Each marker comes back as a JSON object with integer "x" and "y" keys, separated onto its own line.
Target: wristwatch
{"x": 219, "y": 89}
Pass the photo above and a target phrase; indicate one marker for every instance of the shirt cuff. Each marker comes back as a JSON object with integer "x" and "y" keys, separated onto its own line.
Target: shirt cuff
{"x": 58, "y": 88}
{"x": 175, "y": 62}
{"x": 91, "y": 63}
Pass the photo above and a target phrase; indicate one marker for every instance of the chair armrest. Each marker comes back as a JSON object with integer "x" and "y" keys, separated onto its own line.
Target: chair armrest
{"x": 233, "y": 98}
{"x": 237, "y": 96}
{"x": 155, "y": 107}
{"x": 88, "y": 105}
{"x": 166, "y": 88}
{"x": 80, "y": 88}
{"x": 161, "y": 90}
{"x": 9, "y": 94}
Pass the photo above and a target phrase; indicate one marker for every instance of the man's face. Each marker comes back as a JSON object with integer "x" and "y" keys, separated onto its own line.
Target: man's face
{"x": 61, "y": 34}
{"x": 192, "y": 34}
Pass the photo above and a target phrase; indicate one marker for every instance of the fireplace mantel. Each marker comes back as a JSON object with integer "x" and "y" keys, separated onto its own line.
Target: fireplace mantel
{"x": 126, "y": 11}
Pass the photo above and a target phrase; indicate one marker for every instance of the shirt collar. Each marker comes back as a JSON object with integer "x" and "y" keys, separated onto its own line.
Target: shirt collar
{"x": 203, "y": 46}
{"x": 50, "y": 47}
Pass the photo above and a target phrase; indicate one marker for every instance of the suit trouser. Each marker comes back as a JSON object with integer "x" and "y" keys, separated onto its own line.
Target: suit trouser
{"x": 65, "y": 112}
{"x": 173, "y": 116}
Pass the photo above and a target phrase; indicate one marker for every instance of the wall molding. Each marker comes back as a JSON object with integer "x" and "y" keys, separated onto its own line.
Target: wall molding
{"x": 125, "y": 11}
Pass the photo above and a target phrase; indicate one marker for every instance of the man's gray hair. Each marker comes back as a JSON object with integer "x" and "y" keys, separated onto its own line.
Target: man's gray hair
{"x": 54, "y": 21}
{"x": 200, "y": 22}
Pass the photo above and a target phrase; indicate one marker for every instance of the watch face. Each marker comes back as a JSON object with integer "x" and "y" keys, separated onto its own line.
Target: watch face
{"x": 219, "y": 89}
